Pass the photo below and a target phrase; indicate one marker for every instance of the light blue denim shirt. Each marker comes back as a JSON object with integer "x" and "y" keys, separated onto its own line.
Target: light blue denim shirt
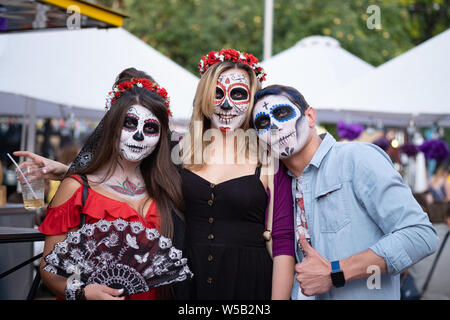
{"x": 355, "y": 200}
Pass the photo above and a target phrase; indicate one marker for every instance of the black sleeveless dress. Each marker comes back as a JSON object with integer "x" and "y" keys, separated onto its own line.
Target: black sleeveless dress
{"x": 224, "y": 238}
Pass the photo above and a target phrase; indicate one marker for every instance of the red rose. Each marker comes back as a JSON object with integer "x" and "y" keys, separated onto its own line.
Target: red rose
{"x": 163, "y": 92}
{"x": 251, "y": 59}
{"x": 211, "y": 56}
{"x": 233, "y": 53}
{"x": 211, "y": 60}
{"x": 227, "y": 53}
{"x": 124, "y": 85}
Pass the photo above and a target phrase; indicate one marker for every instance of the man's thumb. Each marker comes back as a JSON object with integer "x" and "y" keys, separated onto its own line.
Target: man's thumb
{"x": 305, "y": 245}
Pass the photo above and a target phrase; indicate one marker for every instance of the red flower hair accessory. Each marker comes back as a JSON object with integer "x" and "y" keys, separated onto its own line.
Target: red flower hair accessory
{"x": 141, "y": 83}
{"x": 232, "y": 55}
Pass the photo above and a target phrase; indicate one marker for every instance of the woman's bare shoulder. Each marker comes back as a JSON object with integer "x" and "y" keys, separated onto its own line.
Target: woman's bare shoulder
{"x": 66, "y": 190}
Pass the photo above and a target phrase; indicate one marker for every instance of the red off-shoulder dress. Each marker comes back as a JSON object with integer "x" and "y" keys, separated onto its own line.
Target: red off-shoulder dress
{"x": 61, "y": 218}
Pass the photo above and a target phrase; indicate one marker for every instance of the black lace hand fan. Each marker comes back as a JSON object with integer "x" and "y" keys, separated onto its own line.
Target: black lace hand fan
{"x": 118, "y": 254}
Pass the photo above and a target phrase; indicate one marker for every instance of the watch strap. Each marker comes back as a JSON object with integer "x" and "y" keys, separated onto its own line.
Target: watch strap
{"x": 337, "y": 275}
{"x": 335, "y": 266}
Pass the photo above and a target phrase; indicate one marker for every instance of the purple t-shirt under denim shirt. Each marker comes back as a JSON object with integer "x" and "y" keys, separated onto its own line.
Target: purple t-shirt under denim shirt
{"x": 283, "y": 238}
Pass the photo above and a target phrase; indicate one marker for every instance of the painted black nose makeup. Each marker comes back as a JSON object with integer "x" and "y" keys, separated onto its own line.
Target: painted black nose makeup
{"x": 138, "y": 136}
{"x": 273, "y": 126}
{"x": 226, "y": 106}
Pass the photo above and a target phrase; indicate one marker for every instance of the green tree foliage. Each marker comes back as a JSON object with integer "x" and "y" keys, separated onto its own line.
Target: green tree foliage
{"x": 425, "y": 18}
{"x": 185, "y": 30}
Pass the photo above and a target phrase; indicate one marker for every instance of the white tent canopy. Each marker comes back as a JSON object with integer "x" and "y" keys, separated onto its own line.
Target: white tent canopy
{"x": 73, "y": 70}
{"x": 413, "y": 86}
{"x": 314, "y": 66}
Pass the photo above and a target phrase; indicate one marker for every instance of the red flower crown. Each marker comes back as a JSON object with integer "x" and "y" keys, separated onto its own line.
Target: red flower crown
{"x": 141, "y": 83}
{"x": 232, "y": 56}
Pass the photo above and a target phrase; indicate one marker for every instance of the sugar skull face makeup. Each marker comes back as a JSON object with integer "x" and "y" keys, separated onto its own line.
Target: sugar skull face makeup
{"x": 280, "y": 124}
{"x": 140, "y": 133}
{"x": 232, "y": 100}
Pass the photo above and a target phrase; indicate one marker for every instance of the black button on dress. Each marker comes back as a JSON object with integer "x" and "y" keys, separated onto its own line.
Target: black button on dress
{"x": 224, "y": 237}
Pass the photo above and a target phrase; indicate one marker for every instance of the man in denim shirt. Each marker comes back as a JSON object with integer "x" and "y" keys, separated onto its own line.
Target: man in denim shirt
{"x": 357, "y": 224}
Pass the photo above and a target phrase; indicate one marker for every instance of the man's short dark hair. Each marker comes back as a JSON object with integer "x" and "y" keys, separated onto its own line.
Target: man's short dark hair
{"x": 291, "y": 93}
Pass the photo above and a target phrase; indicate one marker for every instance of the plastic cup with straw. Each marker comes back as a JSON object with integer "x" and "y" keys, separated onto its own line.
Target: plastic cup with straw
{"x": 35, "y": 202}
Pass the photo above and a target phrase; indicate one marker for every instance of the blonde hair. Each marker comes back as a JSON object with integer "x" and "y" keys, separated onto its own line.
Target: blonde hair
{"x": 204, "y": 103}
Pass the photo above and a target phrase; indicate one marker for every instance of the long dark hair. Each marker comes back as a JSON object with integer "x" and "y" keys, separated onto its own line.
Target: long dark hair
{"x": 161, "y": 177}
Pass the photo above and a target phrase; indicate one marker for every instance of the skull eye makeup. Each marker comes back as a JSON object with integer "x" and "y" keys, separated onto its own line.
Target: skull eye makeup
{"x": 151, "y": 127}
{"x": 219, "y": 93}
{"x": 262, "y": 121}
{"x": 239, "y": 93}
{"x": 283, "y": 112}
{"x": 131, "y": 122}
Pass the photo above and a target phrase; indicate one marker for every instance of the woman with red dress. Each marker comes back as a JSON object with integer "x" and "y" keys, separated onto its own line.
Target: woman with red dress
{"x": 130, "y": 176}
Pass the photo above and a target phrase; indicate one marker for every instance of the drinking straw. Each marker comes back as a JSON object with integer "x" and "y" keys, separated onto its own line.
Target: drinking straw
{"x": 23, "y": 176}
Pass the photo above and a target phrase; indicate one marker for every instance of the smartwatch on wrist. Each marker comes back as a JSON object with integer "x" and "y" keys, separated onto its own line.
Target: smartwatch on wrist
{"x": 337, "y": 275}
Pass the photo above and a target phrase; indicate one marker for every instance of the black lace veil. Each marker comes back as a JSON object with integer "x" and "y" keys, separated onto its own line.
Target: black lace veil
{"x": 88, "y": 150}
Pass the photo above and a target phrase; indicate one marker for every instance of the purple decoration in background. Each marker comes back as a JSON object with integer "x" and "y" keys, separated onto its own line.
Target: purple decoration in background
{"x": 435, "y": 149}
{"x": 410, "y": 149}
{"x": 3, "y": 24}
{"x": 349, "y": 131}
{"x": 383, "y": 143}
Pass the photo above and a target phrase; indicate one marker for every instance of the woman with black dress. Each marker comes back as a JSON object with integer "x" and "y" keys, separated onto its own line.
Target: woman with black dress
{"x": 226, "y": 199}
